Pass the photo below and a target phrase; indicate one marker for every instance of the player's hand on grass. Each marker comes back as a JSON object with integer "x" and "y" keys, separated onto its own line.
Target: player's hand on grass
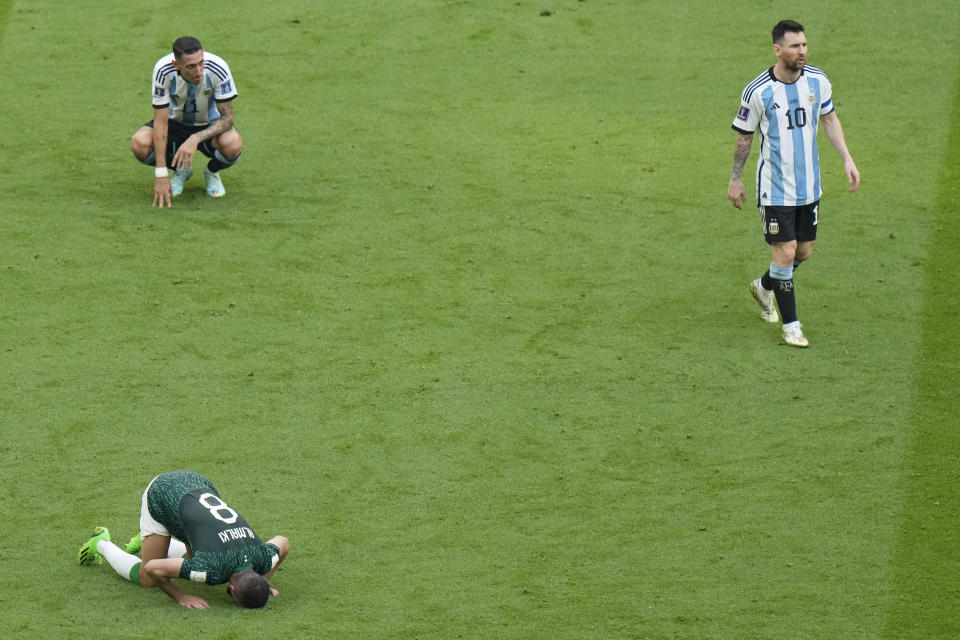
{"x": 192, "y": 602}
{"x": 162, "y": 193}
{"x": 736, "y": 193}
{"x": 274, "y": 592}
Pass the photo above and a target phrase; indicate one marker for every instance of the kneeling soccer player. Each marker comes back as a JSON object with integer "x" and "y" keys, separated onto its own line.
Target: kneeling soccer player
{"x": 187, "y": 531}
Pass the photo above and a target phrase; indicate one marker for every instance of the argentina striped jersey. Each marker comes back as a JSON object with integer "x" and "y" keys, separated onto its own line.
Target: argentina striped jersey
{"x": 787, "y": 117}
{"x": 192, "y": 104}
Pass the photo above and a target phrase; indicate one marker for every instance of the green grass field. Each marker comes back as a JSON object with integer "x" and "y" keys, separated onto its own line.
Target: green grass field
{"x": 471, "y": 326}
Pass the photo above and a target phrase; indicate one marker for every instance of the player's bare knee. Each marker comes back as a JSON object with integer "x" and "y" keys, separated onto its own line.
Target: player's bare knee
{"x": 784, "y": 253}
{"x": 141, "y": 145}
{"x": 230, "y": 144}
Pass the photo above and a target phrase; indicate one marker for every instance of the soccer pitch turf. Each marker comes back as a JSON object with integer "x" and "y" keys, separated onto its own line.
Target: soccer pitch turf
{"x": 471, "y": 326}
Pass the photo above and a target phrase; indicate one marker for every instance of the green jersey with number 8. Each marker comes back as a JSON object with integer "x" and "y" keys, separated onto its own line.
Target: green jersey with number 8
{"x": 222, "y": 542}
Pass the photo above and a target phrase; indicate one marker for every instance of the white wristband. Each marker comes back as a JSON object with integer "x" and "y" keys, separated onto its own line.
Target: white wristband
{"x": 160, "y": 172}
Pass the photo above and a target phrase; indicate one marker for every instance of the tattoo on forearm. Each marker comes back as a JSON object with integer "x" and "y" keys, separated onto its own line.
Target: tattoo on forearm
{"x": 224, "y": 123}
{"x": 740, "y": 155}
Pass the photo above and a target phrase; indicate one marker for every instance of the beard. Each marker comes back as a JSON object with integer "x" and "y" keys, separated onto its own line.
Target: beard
{"x": 796, "y": 66}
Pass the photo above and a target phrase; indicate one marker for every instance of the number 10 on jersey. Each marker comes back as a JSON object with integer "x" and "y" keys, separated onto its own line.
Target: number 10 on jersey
{"x": 796, "y": 119}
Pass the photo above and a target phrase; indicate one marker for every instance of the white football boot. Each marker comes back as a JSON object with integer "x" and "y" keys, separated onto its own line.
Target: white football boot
{"x": 214, "y": 185}
{"x": 178, "y": 179}
{"x": 765, "y": 299}
{"x": 793, "y": 336}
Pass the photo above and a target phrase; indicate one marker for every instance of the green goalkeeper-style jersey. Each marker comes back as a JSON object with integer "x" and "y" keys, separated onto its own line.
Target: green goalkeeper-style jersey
{"x": 222, "y": 542}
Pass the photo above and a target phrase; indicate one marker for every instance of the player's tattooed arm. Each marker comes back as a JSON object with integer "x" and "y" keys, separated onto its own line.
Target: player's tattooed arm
{"x": 740, "y": 154}
{"x": 223, "y": 123}
{"x": 736, "y": 193}
{"x": 160, "y": 132}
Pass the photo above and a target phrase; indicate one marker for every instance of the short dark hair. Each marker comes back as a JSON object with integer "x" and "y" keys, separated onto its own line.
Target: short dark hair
{"x": 251, "y": 589}
{"x": 186, "y": 44}
{"x": 785, "y": 26}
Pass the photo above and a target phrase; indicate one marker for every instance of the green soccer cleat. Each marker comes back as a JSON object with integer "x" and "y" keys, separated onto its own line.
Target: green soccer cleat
{"x": 133, "y": 547}
{"x": 214, "y": 184}
{"x": 88, "y": 551}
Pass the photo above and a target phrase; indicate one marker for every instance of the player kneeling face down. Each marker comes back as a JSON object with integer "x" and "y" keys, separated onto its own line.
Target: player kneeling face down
{"x": 187, "y": 531}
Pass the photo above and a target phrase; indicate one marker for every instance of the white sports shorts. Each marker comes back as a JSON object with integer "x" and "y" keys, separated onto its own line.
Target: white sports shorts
{"x": 149, "y": 526}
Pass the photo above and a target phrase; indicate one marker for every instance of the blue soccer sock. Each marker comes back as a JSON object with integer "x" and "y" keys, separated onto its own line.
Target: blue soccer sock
{"x": 783, "y": 290}
{"x": 766, "y": 281}
{"x": 219, "y": 162}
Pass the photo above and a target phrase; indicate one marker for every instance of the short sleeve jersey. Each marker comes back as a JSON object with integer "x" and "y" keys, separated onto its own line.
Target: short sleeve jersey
{"x": 787, "y": 117}
{"x": 193, "y": 104}
{"x": 188, "y": 505}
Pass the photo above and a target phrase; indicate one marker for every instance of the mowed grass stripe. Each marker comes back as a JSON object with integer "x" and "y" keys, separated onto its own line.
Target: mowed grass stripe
{"x": 928, "y": 551}
{"x": 4, "y": 12}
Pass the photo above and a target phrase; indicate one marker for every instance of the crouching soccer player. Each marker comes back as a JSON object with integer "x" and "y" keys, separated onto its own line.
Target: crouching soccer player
{"x": 187, "y": 531}
{"x": 193, "y": 92}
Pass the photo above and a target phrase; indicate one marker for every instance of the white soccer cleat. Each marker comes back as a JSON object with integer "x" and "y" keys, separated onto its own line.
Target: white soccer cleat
{"x": 214, "y": 184}
{"x": 178, "y": 179}
{"x": 765, "y": 299}
{"x": 793, "y": 336}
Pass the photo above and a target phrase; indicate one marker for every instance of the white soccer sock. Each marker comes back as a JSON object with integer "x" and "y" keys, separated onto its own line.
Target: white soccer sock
{"x": 121, "y": 561}
{"x": 176, "y": 549}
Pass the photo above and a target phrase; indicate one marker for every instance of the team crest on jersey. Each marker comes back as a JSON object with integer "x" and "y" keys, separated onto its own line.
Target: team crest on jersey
{"x": 773, "y": 227}
{"x": 206, "y": 92}
{"x": 811, "y": 98}
{"x": 226, "y": 87}
{"x": 743, "y": 114}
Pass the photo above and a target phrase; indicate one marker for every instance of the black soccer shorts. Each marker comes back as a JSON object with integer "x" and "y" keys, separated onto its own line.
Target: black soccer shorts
{"x": 177, "y": 133}
{"x": 784, "y": 224}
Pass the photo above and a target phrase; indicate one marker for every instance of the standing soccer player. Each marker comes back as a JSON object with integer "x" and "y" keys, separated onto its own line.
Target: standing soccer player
{"x": 786, "y": 103}
{"x": 193, "y": 94}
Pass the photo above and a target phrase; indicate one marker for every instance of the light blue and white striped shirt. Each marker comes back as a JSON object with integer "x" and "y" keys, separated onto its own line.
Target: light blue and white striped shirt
{"x": 787, "y": 117}
{"x": 193, "y": 104}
